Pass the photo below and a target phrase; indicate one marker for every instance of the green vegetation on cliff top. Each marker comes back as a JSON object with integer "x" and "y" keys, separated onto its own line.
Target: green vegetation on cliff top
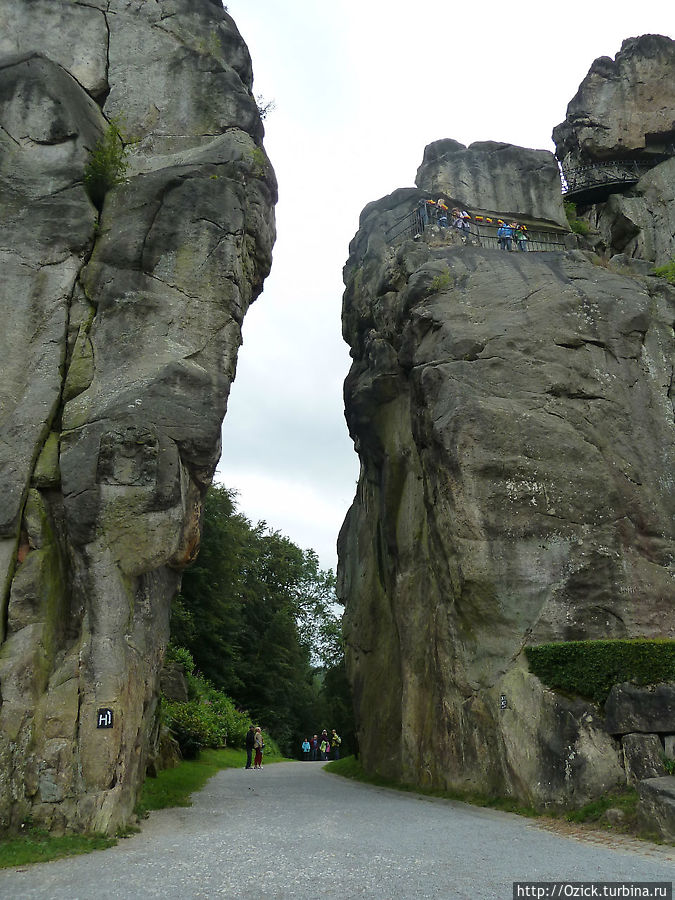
{"x": 591, "y": 668}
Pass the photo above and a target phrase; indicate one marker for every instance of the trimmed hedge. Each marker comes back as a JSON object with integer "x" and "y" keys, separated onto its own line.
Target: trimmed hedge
{"x": 591, "y": 668}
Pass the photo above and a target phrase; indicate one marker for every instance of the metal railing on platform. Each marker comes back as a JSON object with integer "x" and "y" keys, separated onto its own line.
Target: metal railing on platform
{"x": 413, "y": 224}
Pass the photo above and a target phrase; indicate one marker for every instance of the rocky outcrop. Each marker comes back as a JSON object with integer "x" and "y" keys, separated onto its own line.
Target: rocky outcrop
{"x": 501, "y": 178}
{"x": 513, "y": 415}
{"x": 119, "y": 347}
{"x": 625, "y": 110}
{"x": 625, "y": 107}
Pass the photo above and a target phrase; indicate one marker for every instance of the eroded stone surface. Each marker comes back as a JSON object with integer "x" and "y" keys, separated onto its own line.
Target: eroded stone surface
{"x": 643, "y": 757}
{"x": 500, "y": 177}
{"x": 630, "y": 708}
{"x": 624, "y": 106}
{"x": 625, "y": 110}
{"x": 656, "y": 808}
{"x": 119, "y": 348}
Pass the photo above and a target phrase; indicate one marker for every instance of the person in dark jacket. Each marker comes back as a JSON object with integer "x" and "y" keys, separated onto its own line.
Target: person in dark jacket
{"x": 250, "y": 740}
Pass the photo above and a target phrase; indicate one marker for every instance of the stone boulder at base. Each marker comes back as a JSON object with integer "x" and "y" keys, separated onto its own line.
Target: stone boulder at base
{"x": 121, "y": 332}
{"x": 656, "y": 806}
{"x": 631, "y": 708}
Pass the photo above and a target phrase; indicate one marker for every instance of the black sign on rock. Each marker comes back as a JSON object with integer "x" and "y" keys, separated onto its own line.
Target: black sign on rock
{"x": 104, "y": 718}
{"x": 502, "y": 701}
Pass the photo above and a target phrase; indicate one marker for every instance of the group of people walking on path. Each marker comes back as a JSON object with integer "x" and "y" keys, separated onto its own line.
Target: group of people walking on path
{"x": 254, "y": 742}
{"x": 438, "y": 211}
{"x": 320, "y": 747}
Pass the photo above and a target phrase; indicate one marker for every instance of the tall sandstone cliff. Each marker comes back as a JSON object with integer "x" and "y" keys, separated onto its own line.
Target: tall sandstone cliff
{"x": 119, "y": 343}
{"x": 513, "y": 415}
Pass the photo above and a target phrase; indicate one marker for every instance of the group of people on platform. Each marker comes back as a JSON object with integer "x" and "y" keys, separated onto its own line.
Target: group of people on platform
{"x": 507, "y": 234}
{"x": 321, "y": 746}
{"x": 438, "y": 211}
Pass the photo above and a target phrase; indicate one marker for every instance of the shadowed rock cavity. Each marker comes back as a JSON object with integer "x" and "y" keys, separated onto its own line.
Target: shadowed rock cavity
{"x": 119, "y": 345}
{"x": 513, "y": 415}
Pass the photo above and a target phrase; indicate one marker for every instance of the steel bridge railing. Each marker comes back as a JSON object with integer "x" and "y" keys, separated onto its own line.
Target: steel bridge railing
{"x": 604, "y": 174}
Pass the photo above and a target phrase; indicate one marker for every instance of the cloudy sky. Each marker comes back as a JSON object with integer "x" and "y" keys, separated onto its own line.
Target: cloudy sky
{"x": 360, "y": 87}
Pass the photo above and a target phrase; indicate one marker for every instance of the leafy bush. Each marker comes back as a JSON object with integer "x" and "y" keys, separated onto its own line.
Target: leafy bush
{"x": 209, "y": 718}
{"x": 194, "y": 726}
{"x": 107, "y": 163}
{"x": 667, "y": 271}
{"x": 441, "y": 282}
{"x": 591, "y": 668}
{"x": 181, "y": 656}
{"x": 578, "y": 226}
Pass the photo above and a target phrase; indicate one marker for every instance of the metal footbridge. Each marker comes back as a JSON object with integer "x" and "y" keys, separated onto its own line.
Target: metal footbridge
{"x": 595, "y": 182}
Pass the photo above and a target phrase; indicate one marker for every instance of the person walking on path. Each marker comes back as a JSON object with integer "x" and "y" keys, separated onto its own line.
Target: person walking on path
{"x": 305, "y": 749}
{"x": 335, "y": 741}
{"x": 314, "y": 743}
{"x": 259, "y": 745}
{"x": 250, "y": 741}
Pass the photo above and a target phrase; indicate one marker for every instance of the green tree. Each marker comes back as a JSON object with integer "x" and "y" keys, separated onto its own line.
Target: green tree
{"x": 258, "y": 616}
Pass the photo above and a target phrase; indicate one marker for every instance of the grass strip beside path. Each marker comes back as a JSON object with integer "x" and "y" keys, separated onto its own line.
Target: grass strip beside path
{"x": 172, "y": 787}
{"x": 40, "y": 846}
{"x": 592, "y": 815}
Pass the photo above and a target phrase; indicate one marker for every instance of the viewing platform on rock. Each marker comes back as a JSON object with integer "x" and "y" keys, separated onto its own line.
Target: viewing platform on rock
{"x": 482, "y": 230}
{"x": 594, "y": 182}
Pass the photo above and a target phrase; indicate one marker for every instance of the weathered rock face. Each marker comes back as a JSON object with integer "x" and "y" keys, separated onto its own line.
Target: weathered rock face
{"x": 625, "y": 107}
{"x": 119, "y": 347}
{"x": 513, "y": 414}
{"x": 498, "y": 177}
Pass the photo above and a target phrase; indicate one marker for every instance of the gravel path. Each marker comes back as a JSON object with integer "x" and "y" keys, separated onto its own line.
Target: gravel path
{"x": 292, "y": 830}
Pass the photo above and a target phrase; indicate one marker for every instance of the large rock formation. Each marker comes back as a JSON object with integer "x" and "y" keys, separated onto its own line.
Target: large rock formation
{"x": 121, "y": 331}
{"x": 625, "y": 110}
{"x": 513, "y": 414}
{"x": 497, "y": 177}
{"x": 625, "y": 107}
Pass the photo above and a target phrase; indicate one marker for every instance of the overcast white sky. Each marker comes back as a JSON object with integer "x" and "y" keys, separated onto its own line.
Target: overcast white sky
{"x": 360, "y": 87}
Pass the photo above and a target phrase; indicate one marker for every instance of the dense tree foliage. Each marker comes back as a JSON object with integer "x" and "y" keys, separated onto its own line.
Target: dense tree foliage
{"x": 258, "y": 616}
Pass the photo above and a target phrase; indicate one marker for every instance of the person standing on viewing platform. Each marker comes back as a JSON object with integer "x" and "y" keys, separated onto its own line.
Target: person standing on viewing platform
{"x": 504, "y": 236}
{"x": 460, "y": 220}
{"x": 521, "y": 237}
